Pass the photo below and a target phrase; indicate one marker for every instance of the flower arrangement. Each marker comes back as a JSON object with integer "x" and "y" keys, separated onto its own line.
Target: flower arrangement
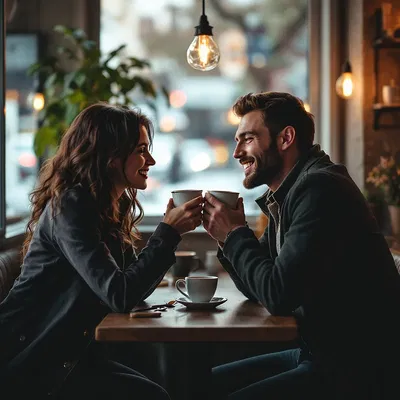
{"x": 385, "y": 177}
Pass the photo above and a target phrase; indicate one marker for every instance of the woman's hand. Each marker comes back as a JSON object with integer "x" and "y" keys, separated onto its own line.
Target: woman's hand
{"x": 186, "y": 217}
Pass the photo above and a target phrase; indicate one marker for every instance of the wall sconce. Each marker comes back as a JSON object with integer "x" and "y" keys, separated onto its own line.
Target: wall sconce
{"x": 36, "y": 101}
{"x": 344, "y": 84}
{"x": 203, "y": 53}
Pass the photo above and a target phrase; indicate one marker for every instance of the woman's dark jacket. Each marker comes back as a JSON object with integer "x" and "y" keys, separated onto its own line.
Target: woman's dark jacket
{"x": 71, "y": 277}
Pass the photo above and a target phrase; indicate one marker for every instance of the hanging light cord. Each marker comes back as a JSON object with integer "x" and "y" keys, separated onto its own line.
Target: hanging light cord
{"x": 204, "y": 7}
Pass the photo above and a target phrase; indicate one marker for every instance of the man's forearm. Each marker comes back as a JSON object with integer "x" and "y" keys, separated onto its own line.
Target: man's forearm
{"x": 234, "y": 276}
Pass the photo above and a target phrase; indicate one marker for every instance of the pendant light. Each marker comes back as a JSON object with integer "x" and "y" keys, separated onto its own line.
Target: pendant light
{"x": 203, "y": 53}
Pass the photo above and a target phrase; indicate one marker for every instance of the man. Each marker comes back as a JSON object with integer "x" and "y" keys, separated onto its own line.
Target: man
{"x": 321, "y": 259}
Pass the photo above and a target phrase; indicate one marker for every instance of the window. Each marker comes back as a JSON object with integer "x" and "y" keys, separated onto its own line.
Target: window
{"x": 264, "y": 46}
{"x": 21, "y": 104}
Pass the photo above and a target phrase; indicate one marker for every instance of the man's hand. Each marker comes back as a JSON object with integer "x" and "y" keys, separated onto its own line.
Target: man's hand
{"x": 219, "y": 219}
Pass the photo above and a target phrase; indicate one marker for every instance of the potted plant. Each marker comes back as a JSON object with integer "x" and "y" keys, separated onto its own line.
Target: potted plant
{"x": 80, "y": 76}
{"x": 385, "y": 179}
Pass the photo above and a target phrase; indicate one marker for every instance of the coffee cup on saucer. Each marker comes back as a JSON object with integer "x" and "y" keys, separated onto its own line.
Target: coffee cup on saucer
{"x": 199, "y": 289}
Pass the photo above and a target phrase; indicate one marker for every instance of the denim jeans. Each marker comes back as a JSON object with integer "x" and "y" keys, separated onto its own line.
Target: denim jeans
{"x": 282, "y": 375}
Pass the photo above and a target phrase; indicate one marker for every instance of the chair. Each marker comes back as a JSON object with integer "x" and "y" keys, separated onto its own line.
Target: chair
{"x": 10, "y": 268}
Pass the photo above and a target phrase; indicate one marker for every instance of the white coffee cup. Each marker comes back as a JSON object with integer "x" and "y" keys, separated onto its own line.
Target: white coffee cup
{"x": 229, "y": 198}
{"x": 183, "y": 196}
{"x": 199, "y": 289}
{"x": 212, "y": 264}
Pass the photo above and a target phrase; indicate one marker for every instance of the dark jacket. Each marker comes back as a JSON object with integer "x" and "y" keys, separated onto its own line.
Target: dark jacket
{"x": 334, "y": 272}
{"x": 71, "y": 277}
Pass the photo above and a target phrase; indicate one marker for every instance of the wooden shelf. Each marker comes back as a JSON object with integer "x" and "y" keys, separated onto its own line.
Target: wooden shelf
{"x": 386, "y": 107}
{"x": 380, "y": 108}
{"x": 386, "y": 43}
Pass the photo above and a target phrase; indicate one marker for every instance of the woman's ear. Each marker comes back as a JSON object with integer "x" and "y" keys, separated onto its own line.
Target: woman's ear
{"x": 115, "y": 163}
{"x": 287, "y": 136}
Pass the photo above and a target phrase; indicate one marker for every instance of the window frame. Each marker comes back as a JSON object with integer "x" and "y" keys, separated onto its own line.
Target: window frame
{"x": 2, "y": 127}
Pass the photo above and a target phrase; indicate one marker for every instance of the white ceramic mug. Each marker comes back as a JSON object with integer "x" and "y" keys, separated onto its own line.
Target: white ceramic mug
{"x": 199, "y": 289}
{"x": 183, "y": 196}
{"x": 229, "y": 198}
{"x": 185, "y": 263}
{"x": 212, "y": 264}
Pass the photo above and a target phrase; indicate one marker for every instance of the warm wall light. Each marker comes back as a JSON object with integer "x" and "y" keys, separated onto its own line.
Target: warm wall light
{"x": 36, "y": 101}
{"x": 203, "y": 52}
{"x": 344, "y": 84}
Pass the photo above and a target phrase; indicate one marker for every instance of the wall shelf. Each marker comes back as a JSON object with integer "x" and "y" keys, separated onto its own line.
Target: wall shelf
{"x": 385, "y": 43}
{"x": 379, "y": 109}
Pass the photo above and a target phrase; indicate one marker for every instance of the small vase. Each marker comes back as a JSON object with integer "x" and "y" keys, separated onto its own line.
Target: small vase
{"x": 394, "y": 212}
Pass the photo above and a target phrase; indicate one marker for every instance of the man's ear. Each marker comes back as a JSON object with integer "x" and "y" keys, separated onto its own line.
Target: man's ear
{"x": 287, "y": 137}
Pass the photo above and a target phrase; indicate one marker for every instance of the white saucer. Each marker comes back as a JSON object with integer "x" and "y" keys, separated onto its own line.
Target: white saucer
{"x": 214, "y": 302}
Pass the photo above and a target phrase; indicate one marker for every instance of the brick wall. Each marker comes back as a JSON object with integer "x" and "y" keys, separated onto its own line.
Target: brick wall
{"x": 389, "y": 66}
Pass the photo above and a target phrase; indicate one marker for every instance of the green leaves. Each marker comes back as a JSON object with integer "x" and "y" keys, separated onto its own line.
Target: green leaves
{"x": 46, "y": 136}
{"x": 97, "y": 77}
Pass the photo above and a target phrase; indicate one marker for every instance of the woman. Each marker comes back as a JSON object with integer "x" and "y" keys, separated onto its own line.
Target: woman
{"x": 79, "y": 260}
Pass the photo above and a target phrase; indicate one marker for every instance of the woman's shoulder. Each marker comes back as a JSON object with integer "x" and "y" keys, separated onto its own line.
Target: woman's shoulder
{"x": 75, "y": 201}
{"x": 76, "y": 195}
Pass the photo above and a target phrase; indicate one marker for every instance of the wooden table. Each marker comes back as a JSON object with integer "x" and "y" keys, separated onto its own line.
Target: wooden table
{"x": 237, "y": 320}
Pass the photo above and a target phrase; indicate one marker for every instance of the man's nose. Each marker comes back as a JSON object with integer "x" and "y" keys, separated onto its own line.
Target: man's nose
{"x": 238, "y": 152}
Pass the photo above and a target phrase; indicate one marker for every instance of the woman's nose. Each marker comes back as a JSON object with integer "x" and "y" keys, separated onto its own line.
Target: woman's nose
{"x": 151, "y": 160}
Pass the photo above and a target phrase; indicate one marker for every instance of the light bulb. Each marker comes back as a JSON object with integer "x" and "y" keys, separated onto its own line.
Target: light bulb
{"x": 36, "y": 101}
{"x": 344, "y": 84}
{"x": 203, "y": 53}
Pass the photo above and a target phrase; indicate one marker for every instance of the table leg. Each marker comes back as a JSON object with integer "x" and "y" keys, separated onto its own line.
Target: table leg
{"x": 187, "y": 370}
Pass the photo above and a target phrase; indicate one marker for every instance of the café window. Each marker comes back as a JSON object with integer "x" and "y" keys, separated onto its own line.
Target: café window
{"x": 264, "y": 46}
{"x": 22, "y": 106}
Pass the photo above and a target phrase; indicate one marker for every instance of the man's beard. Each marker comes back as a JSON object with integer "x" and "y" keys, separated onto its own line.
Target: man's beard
{"x": 268, "y": 167}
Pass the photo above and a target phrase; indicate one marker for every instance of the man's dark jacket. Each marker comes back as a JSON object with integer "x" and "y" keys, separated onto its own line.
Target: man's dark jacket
{"x": 72, "y": 276}
{"x": 334, "y": 272}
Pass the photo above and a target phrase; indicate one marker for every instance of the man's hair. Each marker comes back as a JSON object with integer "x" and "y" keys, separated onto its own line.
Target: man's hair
{"x": 280, "y": 110}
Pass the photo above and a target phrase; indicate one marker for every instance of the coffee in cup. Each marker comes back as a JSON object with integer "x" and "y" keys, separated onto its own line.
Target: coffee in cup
{"x": 186, "y": 262}
{"x": 229, "y": 198}
{"x": 183, "y": 196}
{"x": 199, "y": 289}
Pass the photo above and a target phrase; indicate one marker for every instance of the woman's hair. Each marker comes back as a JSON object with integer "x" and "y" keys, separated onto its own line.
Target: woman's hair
{"x": 100, "y": 134}
{"x": 279, "y": 110}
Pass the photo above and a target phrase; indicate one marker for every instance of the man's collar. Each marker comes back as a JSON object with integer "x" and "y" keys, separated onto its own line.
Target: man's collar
{"x": 305, "y": 161}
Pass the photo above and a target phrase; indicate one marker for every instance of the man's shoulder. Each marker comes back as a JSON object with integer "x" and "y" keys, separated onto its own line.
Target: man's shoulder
{"x": 332, "y": 178}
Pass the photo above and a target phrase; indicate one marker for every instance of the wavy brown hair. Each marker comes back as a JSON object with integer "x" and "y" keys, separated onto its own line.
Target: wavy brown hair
{"x": 100, "y": 134}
